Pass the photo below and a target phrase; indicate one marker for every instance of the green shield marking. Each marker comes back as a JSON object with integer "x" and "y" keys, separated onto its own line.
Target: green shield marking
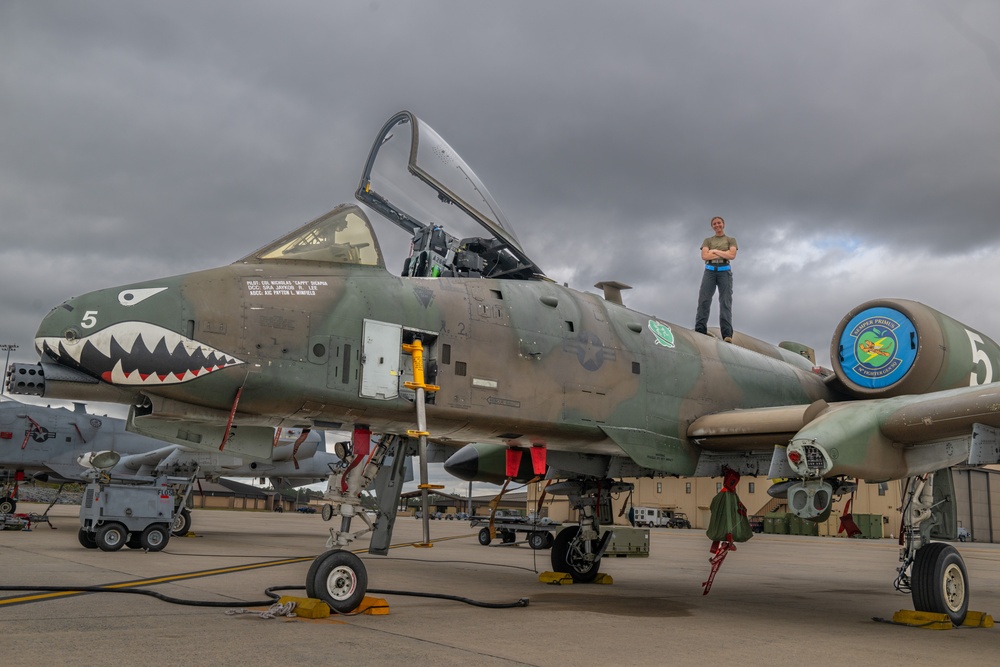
{"x": 664, "y": 336}
{"x": 875, "y": 350}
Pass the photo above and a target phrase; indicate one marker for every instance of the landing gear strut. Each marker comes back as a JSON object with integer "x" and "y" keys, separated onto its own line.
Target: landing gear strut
{"x": 580, "y": 558}
{"x": 932, "y": 572}
{"x": 338, "y": 577}
{"x": 577, "y": 550}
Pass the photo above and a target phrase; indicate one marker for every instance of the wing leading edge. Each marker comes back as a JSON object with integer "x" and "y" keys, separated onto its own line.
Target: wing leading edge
{"x": 876, "y": 439}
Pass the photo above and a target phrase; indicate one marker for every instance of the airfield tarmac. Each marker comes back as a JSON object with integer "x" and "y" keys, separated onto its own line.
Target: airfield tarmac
{"x": 777, "y": 600}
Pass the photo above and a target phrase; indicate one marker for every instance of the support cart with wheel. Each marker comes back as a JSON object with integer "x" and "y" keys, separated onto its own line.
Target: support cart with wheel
{"x": 138, "y": 512}
{"x": 539, "y": 534}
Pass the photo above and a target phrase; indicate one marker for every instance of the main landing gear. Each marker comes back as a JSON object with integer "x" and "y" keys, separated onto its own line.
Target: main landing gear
{"x": 577, "y": 550}
{"x": 932, "y": 572}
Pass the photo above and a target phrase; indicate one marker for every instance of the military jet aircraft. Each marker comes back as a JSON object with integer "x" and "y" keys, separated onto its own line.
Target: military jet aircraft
{"x": 55, "y": 444}
{"x": 469, "y": 344}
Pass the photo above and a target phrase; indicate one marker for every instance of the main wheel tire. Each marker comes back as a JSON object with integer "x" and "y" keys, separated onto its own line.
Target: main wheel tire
{"x": 549, "y": 539}
{"x": 87, "y": 539}
{"x": 566, "y": 559}
{"x": 339, "y": 578}
{"x": 940, "y": 583}
{"x": 7, "y": 505}
{"x": 508, "y": 536}
{"x": 134, "y": 541}
{"x": 111, "y": 536}
{"x": 181, "y": 523}
{"x": 537, "y": 539}
{"x": 484, "y": 537}
{"x": 155, "y": 537}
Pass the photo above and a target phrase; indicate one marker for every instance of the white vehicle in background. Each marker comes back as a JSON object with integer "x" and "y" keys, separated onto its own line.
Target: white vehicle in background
{"x": 652, "y": 517}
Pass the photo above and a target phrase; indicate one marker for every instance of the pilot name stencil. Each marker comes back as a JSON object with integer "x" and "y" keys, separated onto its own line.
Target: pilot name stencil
{"x": 284, "y": 287}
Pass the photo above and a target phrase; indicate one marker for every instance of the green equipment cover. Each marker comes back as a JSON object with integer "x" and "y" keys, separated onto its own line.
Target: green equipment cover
{"x": 728, "y": 515}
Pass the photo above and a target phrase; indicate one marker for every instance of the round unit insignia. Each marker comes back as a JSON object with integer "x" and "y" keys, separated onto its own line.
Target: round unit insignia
{"x": 878, "y": 347}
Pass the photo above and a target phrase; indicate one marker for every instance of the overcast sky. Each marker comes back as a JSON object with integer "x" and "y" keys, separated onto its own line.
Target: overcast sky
{"x": 853, "y": 147}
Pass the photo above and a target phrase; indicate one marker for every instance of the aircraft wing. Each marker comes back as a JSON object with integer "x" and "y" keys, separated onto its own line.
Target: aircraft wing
{"x": 751, "y": 429}
{"x": 876, "y": 439}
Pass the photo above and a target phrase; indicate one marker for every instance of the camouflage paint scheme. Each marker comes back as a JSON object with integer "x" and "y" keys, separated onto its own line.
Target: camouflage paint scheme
{"x": 283, "y": 338}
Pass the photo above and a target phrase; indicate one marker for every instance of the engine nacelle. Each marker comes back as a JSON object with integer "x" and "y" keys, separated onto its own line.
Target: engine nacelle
{"x": 892, "y": 347}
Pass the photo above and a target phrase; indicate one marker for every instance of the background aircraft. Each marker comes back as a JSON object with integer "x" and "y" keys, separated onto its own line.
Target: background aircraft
{"x": 473, "y": 344}
{"x": 47, "y": 444}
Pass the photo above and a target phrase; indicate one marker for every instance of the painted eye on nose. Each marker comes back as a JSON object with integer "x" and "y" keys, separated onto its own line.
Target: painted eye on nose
{"x": 130, "y": 297}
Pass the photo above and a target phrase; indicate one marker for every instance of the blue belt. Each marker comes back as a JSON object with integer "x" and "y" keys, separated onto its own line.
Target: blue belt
{"x": 722, "y": 267}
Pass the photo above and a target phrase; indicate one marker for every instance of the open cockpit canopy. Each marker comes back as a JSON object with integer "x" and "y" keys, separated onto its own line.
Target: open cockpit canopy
{"x": 417, "y": 181}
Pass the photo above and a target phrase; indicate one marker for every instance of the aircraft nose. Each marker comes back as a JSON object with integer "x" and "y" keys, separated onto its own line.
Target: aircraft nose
{"x": 62, "y": 371}
{"x": 61, "y": 334}
{"x": 60, "y": 328}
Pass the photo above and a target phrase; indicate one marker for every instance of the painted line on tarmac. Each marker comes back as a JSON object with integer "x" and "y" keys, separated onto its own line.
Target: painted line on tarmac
{"x": 38, "y": 597}
{"x": 41, "y": 597}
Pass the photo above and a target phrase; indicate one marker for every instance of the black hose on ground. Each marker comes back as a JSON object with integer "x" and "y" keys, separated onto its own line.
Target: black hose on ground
{"x": 522, "y": 602}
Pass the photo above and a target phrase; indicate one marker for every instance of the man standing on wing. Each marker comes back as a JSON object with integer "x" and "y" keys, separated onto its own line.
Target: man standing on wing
{"x": 717, "y": 252}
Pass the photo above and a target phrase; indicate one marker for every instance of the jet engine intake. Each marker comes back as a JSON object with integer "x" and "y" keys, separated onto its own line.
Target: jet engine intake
{"x": 892, "y": 347}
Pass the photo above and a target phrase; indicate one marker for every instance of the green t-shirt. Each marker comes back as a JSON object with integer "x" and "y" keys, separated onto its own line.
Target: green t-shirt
{"x": 719, "y": 243}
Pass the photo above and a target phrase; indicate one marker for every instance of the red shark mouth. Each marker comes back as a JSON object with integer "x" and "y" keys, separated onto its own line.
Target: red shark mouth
{"x": 138, "y": 353}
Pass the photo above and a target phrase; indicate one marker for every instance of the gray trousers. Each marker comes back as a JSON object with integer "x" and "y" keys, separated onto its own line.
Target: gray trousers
{"x": 723, "y": 280}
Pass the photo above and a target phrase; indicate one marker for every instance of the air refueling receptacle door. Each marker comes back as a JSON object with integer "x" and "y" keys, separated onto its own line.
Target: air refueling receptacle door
{"x": 380, "y": 360}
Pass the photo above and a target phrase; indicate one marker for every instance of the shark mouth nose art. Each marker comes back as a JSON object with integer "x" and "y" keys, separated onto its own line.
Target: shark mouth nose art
{"x": 137, "y": 353}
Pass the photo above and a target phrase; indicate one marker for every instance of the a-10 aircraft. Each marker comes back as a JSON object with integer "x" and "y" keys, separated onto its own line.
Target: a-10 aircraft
{"x": 55, "y": 444}
{"x": 471, "y": 346}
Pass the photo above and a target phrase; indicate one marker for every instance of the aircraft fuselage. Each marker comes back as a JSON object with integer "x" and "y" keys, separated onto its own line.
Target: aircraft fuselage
{"x": 517, "y": 362}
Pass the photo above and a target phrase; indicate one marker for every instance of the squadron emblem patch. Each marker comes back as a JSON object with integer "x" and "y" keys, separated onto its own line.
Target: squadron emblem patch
{"x": 878, "y": 347}
{"x": 664, "y": 336}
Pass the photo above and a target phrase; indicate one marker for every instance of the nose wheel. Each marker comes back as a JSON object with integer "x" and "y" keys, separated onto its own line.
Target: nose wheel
{"x": 339, "y": 578}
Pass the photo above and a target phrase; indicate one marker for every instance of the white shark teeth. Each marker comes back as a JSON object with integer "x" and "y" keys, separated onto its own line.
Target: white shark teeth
{"x": 118, "y": 347}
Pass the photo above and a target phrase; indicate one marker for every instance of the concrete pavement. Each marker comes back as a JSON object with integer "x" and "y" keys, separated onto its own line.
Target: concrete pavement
{"x": 777, "y": 600}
